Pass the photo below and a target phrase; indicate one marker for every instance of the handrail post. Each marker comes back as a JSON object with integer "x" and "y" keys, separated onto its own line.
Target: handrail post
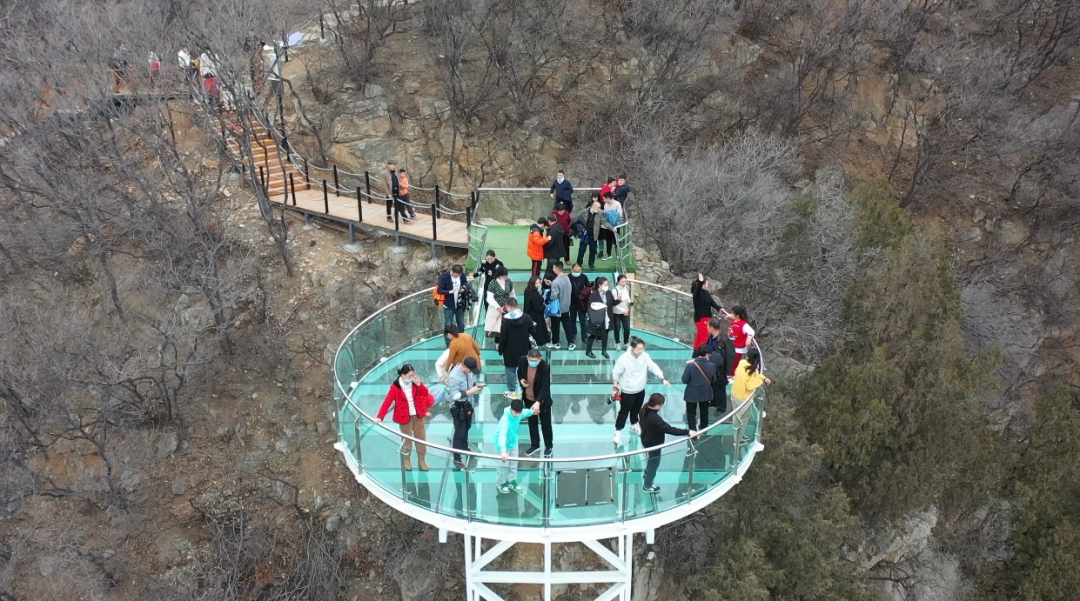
{"x": 468, "y": 217}
{"x": 322, "y": 27}
{"x": 325, "y": 199}
{"x": 292, "y": 187}
{"x": 359, "y": 206}
{"x": 307, "y": 175}
{"x": 547, "y": 499}
{"x": 397, "y": 219}
{"x": 434, "y": 219}
{"x": 337, "y": 186}
{"x": 367, "y": 185}
{"x": 262, "y": 181}
{"x": 690, "y": 472}
{"x": 436, "y": 194}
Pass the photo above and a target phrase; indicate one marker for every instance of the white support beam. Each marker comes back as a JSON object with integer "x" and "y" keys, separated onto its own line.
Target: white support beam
{"x": 522, "y": 577}
{"x": 500, "y": 547}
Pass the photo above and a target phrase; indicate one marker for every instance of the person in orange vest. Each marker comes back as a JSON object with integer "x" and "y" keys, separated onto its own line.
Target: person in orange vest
{"x": 537, "y": 240}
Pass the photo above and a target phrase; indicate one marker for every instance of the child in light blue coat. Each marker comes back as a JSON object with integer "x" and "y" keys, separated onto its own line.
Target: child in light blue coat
{"x": 506, "y": 444}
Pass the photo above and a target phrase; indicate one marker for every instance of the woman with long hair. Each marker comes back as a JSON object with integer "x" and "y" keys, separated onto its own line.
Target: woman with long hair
{"x": 748, "y": 377}
{"x": 703, "y": 309}
{"x": 412, "y": 402}
{"x": 499, "y": 291}
{"x": 534, "y": 308}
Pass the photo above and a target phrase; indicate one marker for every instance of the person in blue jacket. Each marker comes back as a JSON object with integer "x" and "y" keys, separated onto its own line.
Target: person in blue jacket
{"x": 506, "y": 444}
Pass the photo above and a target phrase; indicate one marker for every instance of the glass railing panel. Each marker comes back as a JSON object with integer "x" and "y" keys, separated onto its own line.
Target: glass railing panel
{"x": 514, "y": 508}
{"x": 671, "y": 476}
{"x": 714, "y": 460}
{"x": 505, "y": 207}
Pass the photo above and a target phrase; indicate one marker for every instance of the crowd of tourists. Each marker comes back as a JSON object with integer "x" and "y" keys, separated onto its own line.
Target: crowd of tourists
{"x": 725, "y": 365}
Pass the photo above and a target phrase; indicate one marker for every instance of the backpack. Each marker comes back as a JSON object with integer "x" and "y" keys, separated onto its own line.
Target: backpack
{"x": 461, "y": 411}
{"x": 440, "y": 299}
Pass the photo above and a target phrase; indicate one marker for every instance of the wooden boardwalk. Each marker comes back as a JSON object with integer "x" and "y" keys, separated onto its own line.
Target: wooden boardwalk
{"x": 372, "y": 216}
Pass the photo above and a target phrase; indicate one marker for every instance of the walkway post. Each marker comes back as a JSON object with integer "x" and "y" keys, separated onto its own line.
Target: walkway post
{"x": 325, "y": 199}
{"x": 397, "y": 222}
{"x": 307, "y": 175}
{"x": 292, "y": 186}
{"x": 359, "y": 206}
{"x": 262, "y": 181}
{"x": 367, "y": 185}
{"x": 468, "y": 217}
{"x": 434, "y": 218}
{"x": 337, "y": 186}
{"x": 436, "y": 194}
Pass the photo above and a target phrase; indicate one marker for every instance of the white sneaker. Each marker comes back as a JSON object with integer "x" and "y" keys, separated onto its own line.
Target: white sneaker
{"x": 617, "y": 439}
{"x": 571, "y": 346}
{"x": 636, "y": 429}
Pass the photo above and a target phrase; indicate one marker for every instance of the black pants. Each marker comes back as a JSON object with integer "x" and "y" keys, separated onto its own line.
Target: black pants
{"x": 629, "y": 406}
{"x": 622, "y": 323}
{"x": 536, "y": 265}
{"x": 567, "y": 327}
{"x": 607, "y": 238}
{"x": 593, "y": 335}
{"x": 701, "y": 410}
{"x": 461, "y": 437}
{"x": 651, "y": 466}
{"x": 541, "y": 422}
{"x": 395, "y": 204}
{"x": 578, "y": 319}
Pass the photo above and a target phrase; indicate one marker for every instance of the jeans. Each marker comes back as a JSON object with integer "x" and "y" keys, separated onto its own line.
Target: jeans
{"x": 591, "y": 245}
{"x": 622, "y": 323}
{"x": 452, "y": 315}
{"x": 701, "y": 410}
{"x": 629, "y": 406}
{"x": 563, "y": 319}
{"x": 651, "y": 466}
{"x": 538, "y": 422}
{"x": 507, "y": 470}
{"x": 511, "y": 378}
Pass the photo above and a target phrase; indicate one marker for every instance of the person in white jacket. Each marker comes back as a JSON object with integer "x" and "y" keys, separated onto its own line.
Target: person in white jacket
{"x": 629, "y": 377}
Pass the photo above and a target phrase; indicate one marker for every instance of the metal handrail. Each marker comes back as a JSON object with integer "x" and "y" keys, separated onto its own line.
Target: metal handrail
{"x": 537, "y": 189}
{"x": 671, "y": 443}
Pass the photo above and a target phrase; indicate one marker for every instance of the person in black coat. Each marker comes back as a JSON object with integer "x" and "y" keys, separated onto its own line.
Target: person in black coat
{"x": 698, "y": 376}
{"x": 513, "y": 343}
{"x": 703, "y": 309}
{"x": 601, "y": 302}
{"x": 536, "y": 388}
{"x": 722, "y": 355}
{"x": 555, "y": 247}
{"x": 534, "y": 308}
{"x": 488, "y": 267}
{"x": 653, "y": 429}
{"x": 562, "y": 190}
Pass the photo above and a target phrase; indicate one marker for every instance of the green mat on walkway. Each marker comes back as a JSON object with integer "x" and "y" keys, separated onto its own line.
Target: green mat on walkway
{"x": 510, "y": 241}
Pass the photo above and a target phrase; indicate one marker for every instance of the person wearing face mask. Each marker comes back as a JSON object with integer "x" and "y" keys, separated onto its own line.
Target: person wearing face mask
{"x": 499, "y": 292}
{"x": 411, "y": 401}
{"x": 562, "y": 190}
{"x": 534, "y": 374}
{"x": 621, "y": 311}
{"x": 600, "y": 304}
{"x": 513, "y": 343}
{"x": 628, "y": 383}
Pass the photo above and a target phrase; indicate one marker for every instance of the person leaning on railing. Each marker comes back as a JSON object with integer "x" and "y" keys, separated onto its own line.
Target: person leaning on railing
{"x": 747, "y": 380}
{"x": 653, "y": 429}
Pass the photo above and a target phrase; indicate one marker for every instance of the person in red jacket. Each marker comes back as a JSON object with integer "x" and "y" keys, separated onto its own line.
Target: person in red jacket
{"x": 562, "y": 216}
{"x": 411, "y": 401}
{"x": 740, "y": 333}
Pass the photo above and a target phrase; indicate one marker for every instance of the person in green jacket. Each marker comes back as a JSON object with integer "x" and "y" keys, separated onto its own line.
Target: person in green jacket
{"x": 506, "y": 444}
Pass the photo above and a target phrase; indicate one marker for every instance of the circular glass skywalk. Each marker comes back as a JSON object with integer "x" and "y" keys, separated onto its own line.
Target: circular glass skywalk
{"x": 589, "y": 483}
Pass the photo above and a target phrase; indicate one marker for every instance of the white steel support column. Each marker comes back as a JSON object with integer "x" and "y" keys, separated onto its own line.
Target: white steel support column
{"x": 617, "y": 572}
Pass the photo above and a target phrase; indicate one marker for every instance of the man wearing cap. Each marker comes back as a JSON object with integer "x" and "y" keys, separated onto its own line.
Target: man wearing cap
{"x": 462, "y": 387}
{"x": 392, "y": 186}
